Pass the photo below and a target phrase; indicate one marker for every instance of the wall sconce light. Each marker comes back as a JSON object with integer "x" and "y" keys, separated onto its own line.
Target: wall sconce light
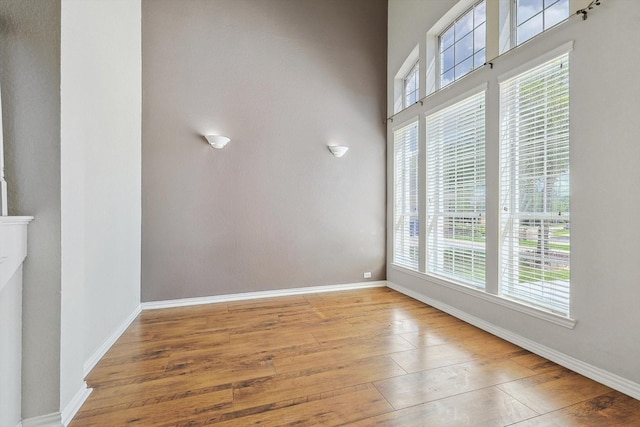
{"x": 338, "y": 150}
{"x": 217, "y": 141}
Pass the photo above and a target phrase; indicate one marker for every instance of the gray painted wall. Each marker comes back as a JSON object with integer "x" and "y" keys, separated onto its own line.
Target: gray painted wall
{"x": 30, "y": 73}
{"x": 605, "y": 103}
{"x": 274, "y": 209}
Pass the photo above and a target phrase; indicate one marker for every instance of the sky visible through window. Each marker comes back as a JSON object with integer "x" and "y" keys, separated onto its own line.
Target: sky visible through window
{"x": 463, "y": 45}
{"x": 535, "y": 16}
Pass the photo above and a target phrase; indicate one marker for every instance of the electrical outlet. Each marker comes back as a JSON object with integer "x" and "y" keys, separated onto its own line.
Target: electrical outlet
{"x": 367, "y": 275}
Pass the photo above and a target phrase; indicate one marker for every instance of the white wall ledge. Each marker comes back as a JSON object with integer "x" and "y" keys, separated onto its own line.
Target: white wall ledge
{"x": 13, "y": 250}
{"x": 15, "y": 220}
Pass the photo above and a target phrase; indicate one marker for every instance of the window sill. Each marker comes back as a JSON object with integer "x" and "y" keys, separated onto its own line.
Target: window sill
{"x": 556, "y": 319}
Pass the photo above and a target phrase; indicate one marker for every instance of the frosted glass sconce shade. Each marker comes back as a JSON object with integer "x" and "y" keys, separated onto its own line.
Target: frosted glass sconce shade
{"x": 338, "y": 150}
{"x": 217, "y": 141}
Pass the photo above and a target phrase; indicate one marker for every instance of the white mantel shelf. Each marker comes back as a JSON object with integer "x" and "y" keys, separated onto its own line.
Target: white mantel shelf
{"x": 15, "y": 220}
{"x": 13, "y": 245}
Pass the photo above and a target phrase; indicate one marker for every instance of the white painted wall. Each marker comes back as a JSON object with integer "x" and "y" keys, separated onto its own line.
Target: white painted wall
{"x": 11, "y": 351}
{"x": 101, "y": 169}
{"x": 605, "y": 106}
{"x": 13, "y": 249}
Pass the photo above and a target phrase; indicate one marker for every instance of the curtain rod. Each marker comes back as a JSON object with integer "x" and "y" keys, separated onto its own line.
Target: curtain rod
{"x": 584, "y": 12}
{"x": 4, "y": 209}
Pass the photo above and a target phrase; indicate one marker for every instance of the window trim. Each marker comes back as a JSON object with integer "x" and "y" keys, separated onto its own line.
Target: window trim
{"x": 447, "y": 27}
{"x": 477, "y": 91}
{"x": 398, "y": 79}
{"x": 404, "y": 124}
{"x": 499, "y": 40}
{"x": 564, "y": 321}
{"x": 540, "y": 61}
{"x": 513, "y": 24}
{"x": 500, "y": 37}
{"x": 442, "y": 99}
{"x": 414, "y": 70}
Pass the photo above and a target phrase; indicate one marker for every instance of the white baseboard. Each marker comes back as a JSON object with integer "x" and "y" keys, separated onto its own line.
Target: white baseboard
{"x": 607, "y": 378}
{"x": 262, "y": 294}
{"x": 49, "y": 420}
{"x": 74, "y": 405}
{"x": 100, "y": 352}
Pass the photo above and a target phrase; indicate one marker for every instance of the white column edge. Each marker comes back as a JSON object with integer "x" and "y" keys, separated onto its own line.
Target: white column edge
{"x": 102, "y": 350}
{"x": 74, "y": 405}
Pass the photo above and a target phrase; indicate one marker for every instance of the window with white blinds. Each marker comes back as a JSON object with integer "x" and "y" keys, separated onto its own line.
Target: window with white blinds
{"x": 534, "y": 186}
{"x": 405, "y": 215}
{"x": 456, "y": 191}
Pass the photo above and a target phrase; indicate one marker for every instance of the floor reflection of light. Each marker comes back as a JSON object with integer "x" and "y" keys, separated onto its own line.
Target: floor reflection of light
{"x": 398, "y": 314}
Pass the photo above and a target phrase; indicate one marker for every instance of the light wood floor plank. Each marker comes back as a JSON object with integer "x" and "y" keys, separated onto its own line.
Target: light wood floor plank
{"x": 437, "y": 356}
{"x": 339, "y": 351}
{"x": 610, "y": 409}
{"x": 554, "y": 390}
{"x": 486, "y": 407}
{"x": 260, "y": 391}
{"x": 156, "y": 413}
{"x": 433, "y": 384}
{"x": 370, "y": 357}
{"x": 326, "y": 410}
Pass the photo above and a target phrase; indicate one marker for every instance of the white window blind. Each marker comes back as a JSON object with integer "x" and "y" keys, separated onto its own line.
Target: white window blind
{"x": 456, "y": 191}
{"x": 405, "y": 217}
{"x": 534, "y": 161}
{"x": 411, "y": 86}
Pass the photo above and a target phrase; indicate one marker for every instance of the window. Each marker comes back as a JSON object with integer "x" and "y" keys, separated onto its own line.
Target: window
{"x": 405, "y": 219}
{"x": 489, "y": 211}
{"x": 456, "y": 191}
{"x": 411, "y": 86}
{"x": 534, "y": 193}
{"x": 536, "y": 16}
{"x": 462, "y": 46}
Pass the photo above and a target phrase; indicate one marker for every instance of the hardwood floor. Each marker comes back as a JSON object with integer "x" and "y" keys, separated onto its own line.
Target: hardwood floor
{"x": 369, "y": 357}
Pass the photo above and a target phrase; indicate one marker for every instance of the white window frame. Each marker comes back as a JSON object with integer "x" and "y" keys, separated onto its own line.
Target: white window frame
{"x": 406, "y": 222}
{"x": 446, "y": 255}
{"x": 513, "y": 5}
{"x": 499, "y": 38}
{"x": 550, "y": 295}
{"x": 439, "y": 69}
{"x": 414, "y": 72}
{"x": 404, "y": 70}
{"x": 500, "y": 35}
